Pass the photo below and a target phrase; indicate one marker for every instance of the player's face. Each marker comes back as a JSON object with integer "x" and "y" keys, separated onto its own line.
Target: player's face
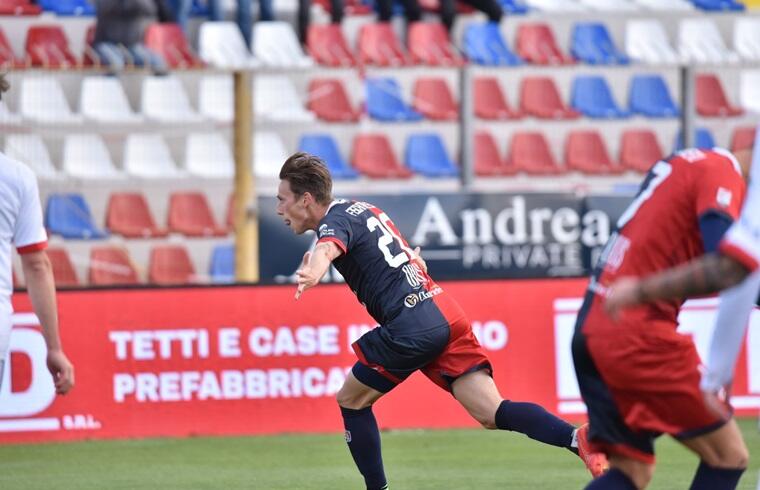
{"x": 292, "y": 208}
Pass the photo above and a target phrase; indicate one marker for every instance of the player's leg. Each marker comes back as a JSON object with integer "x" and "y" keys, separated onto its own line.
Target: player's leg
{"x": 624, "y": 474}
{"x": 723, "y": 458}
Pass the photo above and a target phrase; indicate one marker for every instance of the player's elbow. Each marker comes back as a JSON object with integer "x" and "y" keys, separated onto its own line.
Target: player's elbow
{"x": 733, "y": 272}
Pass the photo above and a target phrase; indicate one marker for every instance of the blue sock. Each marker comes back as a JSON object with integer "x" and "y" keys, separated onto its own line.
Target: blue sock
{"x": 709, "y": 478}
{"x": 363, "y": 438}
{"x": 612, "y": 480}
{"x": 535, "y": 422}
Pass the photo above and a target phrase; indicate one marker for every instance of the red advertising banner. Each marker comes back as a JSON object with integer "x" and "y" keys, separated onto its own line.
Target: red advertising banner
{"x": 251, "y": 360}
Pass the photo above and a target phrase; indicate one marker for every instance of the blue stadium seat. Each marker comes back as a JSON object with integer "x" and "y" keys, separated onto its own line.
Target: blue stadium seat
{"x": 324, "y": 146}
{"x": 384, "y": 101}
{"x": 67, "y": 7}
{"x": 592, "y": 97}
{"x": 426, "y": 155}
{"x": 718, "y": 5}
{"x": 592, "y": 44}
{"x": 199, "y": 9}
{"x": 703, "y": 139}
{"x": 69, "y": 215}
{"x": 649, "y": 96}
{"x": 222, "y": 268}
{"x": 514, "y": 7}
{"x": 484, "y": 44}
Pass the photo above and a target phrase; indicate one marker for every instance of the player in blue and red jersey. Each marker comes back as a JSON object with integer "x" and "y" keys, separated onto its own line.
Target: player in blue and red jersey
{"x": 421, "y": 326}
{"x": 637, "y": 375}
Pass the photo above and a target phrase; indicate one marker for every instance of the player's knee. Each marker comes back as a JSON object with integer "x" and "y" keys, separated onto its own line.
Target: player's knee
{"x": 638, "y": 472}
{"x": 487, "y": 420}
{"x": 350, "y": 399}
{"x": 735, "y": 456}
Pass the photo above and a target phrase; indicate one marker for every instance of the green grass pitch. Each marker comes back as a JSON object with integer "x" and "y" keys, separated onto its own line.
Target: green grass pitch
{"x": 414, "y": 460}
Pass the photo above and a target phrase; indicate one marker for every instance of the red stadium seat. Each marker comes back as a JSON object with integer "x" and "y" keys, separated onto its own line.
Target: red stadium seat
{"x": 63, "y": 271}
{"x": 374, "y": 157}
{"x": 90, "y": 57}
{"x": 170, "y": 264}
{"x": 433, "y": 99}
{"x": 586, "y": 152}
{"x": 536, "y": 44}
{"x": 170, "y": 42}
{"x": 435, "y": 6}
{"x": 379, "y": 45}
{"x": 329, "y": 101}
{"x": 128, "y": 214}
{"x": 190, "y": 214}
{"x": 350, "y": 7}
{"x": 326, "y": 44}
{"x": 7, "y": 58}
{"x": 529, "y": 152}
{"x": 539, "y": 97}
{"x": 639, "y": 150}
{"x": 711, "y": 99}
{"x": 429, "y": 44}
{"x": 743, "y": 138}
{"x": 111, "y": 266}
{"x": 19, "y": 7}
{"x": 488, "y": 162}
{"x": 490, "y": 102}
{"x": 47, "y": 46}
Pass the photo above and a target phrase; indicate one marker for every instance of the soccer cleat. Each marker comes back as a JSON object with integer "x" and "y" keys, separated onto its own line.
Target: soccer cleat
{"x": 595, "y": 462}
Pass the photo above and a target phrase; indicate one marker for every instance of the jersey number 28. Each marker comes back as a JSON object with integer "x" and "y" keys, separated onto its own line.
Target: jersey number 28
{"x": 385, "y": 226}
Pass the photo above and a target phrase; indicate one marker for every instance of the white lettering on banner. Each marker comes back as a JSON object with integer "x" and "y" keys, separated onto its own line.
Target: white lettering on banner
{"x": 492, "y": 334}
{"x": 229, "y": 342}
{"x": 356, "y": 331}
{"x": 144, "y": 345}
{"x": 41, "y": 392}
{"x": 551, "y": 255}
{"x": 311, "y": 382}
{"x": 303, "y": 341}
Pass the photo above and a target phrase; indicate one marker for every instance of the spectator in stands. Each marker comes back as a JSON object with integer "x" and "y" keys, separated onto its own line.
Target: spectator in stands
{"x": 304, "y": 16}
{"x": 489, "y": 7}
{"x": 120, "y": 31}
{"x": 412, "y": 10}
{"x": 21, "y": 226}
{"x": 215, "y": 12}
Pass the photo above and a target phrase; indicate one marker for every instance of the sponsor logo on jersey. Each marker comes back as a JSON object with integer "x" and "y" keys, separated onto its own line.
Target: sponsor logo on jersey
{"x": 414, "y": 275}
{"x": 413, "y": 299}
{"x": 324, "y": 231}
{"x": 723, "y": 198}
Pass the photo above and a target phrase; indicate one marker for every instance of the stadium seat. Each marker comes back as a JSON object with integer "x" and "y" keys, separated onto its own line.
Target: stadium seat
{"x": 611, "y": 5}
{"x": 539, "y": 97}
{"x": 593, "y": 44}
{"x": 164, "y": 99}
{"x": 385, "y": 103}
{"x": 64, "y": 274}
{"x": 43, "y": 101}
{"x": 111, "y": 266}
{"x": 639, "y": 150}
{"x": 7, "y": 117}
{"x": 47, "y": 46}
{"x": 90, "y": 57}
{"x": 269, "y": 154}
{"x": 426, "y": 155}
{"x": 103, "y": 100}
{"x": 586, "y": 152}
{"x": 275, "y": 44}
{"x": 484, "y": 45}
{"x": 649, "y": 96}
{"x": 529, "y": 152}
{"x": 190, "y": 215}
{"x": 324, "y": 146}
{"x": 514, "y": 7}
{"x": 373, "y": 156}
{"x": 222, "y": 267}
{"x": 19, "y": 7}
{"x": 490, "y": 102}
{"x": 488, "y": 162}
{"x": 433, "y": 99}
{"x": 700, "y": 41}
{"x": 647, "y": 41}
{"x": 556, "y": 6}
{"x": 703, "y": 139}
{"x": 711, "y": 100}
{"x": 429, "y": 44}
{"x": 743, "y": 138}
{"x": 128, "y": 215}
{"x": 592, "y": 97}
{"x": 29, "y": 149}
{"x": 379, "y": 45}
{"x": 221, "y": 45}
{"x": 208, "y": 155}
{"x": 216, "y": 98}
{"x": 67, "y": 7}
{"x": 666, "y": 5}
{"x": 536, "y": 44}
{"x": 327, "y": 45}
{"x": 719, "y": 5}
{"x": 746, "y": 38}
{"x": 328, "y": 101}
{"x": 68, "y": 215}
{"x": 85, "y": 156}
{"x": 749, "y": 90}
{"x": 169, "y": 41}
{"x": 170, "y": 264}
{"x": 146, "y": 155}
{"x": 350, "y": 7}
{"x": 8, "y": 58}
{"x": 276, "y": 98}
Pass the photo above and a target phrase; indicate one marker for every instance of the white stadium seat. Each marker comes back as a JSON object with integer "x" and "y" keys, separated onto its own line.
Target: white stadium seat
{"x": 269, "y": 154}
{"x": 43, "y": 101}
{"x": 222, "y": 45}
{"x": 216, "y": 98}
{"x": 276, "y": 98}
{"x": 146, "y": 155}
{"x": 31, "y": 150}
{"x": 85, "y": 156}
{"x": 275, "y": 44}
{"x": 556, "y": 5}
{"x": 646, "y": 40}
{"x": 700, "y": 41}
{"x": 208, "y": 155}
{"x": 747, "y": 38}
{"x": 749, "y": 92}
{"x": 103, "y": 100}
{"x": 6, "y": 116}
{"x": 677, "y": 5}
{"x": 611, "y": 5}
{"x": 165, "y": 100}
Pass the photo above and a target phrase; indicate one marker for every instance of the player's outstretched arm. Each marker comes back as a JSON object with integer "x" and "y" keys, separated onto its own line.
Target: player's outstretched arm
{"x": 315, "y": 265}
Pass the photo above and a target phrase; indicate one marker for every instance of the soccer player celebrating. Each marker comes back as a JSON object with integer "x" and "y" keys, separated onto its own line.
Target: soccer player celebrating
{"x": 421, "y": 326}
{"x": 638, "y": 376}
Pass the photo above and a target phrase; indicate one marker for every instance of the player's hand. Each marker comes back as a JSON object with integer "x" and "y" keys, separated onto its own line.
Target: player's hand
{"x": 304, "y": 276}
{"x": 622, "y": 294}
{"x": 419, "y": 260}
{"x": 62, "y": 370}
{"x": 717, "y": 402}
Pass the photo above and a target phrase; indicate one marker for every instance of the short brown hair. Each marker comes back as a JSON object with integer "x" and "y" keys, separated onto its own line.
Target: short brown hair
{"x": 308, "y": 173}
{"x": 4, "y": 85}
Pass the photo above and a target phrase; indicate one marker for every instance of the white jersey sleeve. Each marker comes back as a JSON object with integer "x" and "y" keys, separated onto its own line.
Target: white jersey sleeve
{"x": 29, "y": 234}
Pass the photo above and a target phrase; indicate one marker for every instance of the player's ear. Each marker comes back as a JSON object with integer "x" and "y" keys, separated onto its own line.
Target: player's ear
{"x": 307, "y": 198}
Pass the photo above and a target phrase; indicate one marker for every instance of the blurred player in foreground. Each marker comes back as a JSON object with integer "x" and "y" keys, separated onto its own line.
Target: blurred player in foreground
{"x": 638, "y": 376}
{"x": 421, "y": 326}
{"x": 21, "y": 225}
